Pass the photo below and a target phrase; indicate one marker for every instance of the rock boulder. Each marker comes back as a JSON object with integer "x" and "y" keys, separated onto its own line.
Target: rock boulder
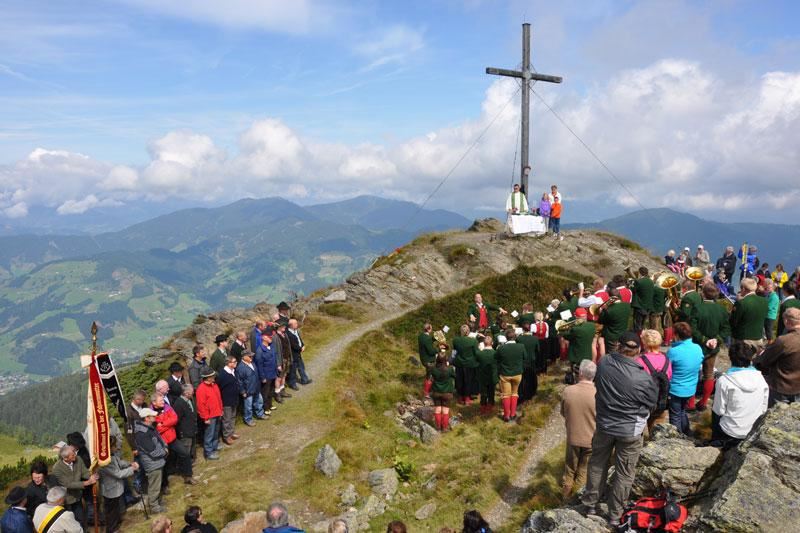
{"x": 327, "y": 461}
{"x": 563, "y": 521}
{"x": 671, "y": 460}
{"x": 758, "y": 488}
{"x": 383, "y": 482}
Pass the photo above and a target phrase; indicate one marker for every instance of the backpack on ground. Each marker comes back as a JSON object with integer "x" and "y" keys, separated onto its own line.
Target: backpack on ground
{"x": 662, "y": 514}
{"x": 662, "y": 380}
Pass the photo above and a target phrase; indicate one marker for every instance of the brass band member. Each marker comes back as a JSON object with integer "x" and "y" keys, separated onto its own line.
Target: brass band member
{"x": 710, "y": 332}
{"x": 642, "y": 299}
{"x": 427, "y": 356}
{"x": 478, "y": 313}
{"x": 614, "y": 318}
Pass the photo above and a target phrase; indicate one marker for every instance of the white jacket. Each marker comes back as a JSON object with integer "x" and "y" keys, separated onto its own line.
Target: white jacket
{"x": 741, "y": 397}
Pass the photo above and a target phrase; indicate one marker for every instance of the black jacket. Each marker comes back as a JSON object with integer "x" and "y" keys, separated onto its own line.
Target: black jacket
{"x": 295, "y": 342}
{"x": 228, "y": 388}
{"x": 187, "y": 418}
{"x": 728, "y": 264}
{"x": 236, "y": 350}
{"x": 175, "y": 389}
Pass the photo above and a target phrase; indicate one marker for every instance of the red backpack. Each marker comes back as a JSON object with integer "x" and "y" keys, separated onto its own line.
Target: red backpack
{"x": 654, "y": 515}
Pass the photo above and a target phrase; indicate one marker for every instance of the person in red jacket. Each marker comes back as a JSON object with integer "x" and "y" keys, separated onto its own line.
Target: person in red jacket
{"x": 179, "y": 456}
{"x": 209, "y": 410}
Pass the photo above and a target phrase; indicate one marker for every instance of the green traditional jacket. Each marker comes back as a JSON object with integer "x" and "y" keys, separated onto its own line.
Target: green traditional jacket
{"x": 747, "y": 317}
{"x": 487, "y": 371}
{"x": 615, "y": 320}
{"x": 659, "y": 299}
{"x": 217, "y": 360}
{"x": 711, "y": 323}
{"x": 580, "y": 339}
{"x": 427, "y": 352}
{"x": 466, "y": 352}
{"x": 443, "y": 379}
{"x": 526, "y": 318}
{"x": 787, "y": 304}
{"x": 510, "y": 357}
{"x": 643, "y": 294}
{"x": 531, "y": 344}
{"x": 473, "y": 310}
{"x": 687, "y": 312}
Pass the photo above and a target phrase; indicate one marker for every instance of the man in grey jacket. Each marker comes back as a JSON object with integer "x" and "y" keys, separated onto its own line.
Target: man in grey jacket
{"x": 626, "y": 395}
{"x": 152, "y": 455}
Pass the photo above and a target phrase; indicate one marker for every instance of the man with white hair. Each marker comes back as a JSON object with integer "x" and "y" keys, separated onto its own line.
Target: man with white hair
{"x": 578, "y": 410}
{"x": 780, "y": 362}
{"x": 53, "y": 517}
{"x": 162, "y": 388}
{"x": 73, "y": 476}
{"x": 748, "y": 315}
{"x": 278, "y": 520}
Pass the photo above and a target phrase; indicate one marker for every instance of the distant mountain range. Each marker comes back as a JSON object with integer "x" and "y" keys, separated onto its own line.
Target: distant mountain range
{"x": 146, "y": 281}
{"x": 660, "y": 230}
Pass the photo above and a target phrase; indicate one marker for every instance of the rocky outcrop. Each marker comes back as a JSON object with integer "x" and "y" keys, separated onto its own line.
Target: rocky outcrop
{"x": 758, "y": 488}
{"x": 671, "y": 460}
{"x": 422, "y": 270}
{"x": 563, "y": 521}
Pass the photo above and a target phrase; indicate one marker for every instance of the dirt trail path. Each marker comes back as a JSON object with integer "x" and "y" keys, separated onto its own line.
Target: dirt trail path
{"x": 284, "y": 445}
{"x": 547, "y": 437}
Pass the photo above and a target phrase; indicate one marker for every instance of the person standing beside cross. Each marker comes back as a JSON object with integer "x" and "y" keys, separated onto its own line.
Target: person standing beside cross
{"x": 516, "y": 203}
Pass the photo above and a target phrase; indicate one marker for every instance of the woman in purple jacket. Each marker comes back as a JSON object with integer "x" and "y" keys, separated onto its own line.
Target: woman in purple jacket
{"x": 544, "y": 209}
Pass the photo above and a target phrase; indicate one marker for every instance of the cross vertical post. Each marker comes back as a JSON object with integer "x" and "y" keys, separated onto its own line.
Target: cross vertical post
{"x": 526, "y": 107}
{"x": 526, "y": 75}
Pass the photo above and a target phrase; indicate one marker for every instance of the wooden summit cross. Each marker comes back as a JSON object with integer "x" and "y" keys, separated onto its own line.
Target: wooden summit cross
{"x": 526, "y": 75}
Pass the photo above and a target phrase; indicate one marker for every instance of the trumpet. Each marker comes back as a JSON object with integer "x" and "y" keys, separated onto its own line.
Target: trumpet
{"x": 562, "y": 326}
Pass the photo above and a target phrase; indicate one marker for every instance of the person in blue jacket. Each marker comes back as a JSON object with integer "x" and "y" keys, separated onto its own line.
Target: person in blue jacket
{"x": 250, "y": 387}
{"x": 16, "y": 518}
{"x": 687, "y": 359}
{"x": 268, "y": 369}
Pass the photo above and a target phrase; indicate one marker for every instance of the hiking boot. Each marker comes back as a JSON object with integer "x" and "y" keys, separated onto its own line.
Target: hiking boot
{"x": 294, "y": 386}
{"x": 212, "y": 457}
{"x": 307, "y": 382}
{"x": 190, "y": 480}
{"x": 278, "y": 398}
{"x": 285, "y": 394}
{"x": 249, "y": 423}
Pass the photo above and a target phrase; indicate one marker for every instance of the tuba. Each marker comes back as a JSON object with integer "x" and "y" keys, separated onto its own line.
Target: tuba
{"x": 669, "y": 282}
{"x": 695, "y": 274}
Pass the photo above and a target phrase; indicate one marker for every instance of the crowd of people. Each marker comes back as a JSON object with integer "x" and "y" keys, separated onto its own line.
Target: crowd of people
{"x": 193, "y": 409}
{"x": 639, "y": 351}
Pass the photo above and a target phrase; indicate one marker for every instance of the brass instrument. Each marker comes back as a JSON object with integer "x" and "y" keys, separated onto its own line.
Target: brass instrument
{"x": 669, "y": 282}
{"x": 632, "y": 276}
{"x": 562, "y": 326}
{"x": 595, "y": 309}
{"x": 695, "y": 274}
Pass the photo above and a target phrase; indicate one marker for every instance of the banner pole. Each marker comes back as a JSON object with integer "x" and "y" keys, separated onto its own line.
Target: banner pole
{"x": 94, "y": 469}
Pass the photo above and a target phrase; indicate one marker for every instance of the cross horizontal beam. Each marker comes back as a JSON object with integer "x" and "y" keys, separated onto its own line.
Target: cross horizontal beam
{"x": 523, "y": 75}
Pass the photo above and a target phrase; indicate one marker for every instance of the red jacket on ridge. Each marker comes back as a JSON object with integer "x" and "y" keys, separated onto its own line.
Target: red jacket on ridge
{"x": 209, "y": 401}
{"x": 165, "y": 424}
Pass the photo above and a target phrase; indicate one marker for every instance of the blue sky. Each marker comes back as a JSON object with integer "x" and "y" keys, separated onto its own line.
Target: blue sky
{"x": 692, "y": 104}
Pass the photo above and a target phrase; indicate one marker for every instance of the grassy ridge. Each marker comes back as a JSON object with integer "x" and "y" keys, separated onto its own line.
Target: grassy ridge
{"x": 472, "y": 464}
